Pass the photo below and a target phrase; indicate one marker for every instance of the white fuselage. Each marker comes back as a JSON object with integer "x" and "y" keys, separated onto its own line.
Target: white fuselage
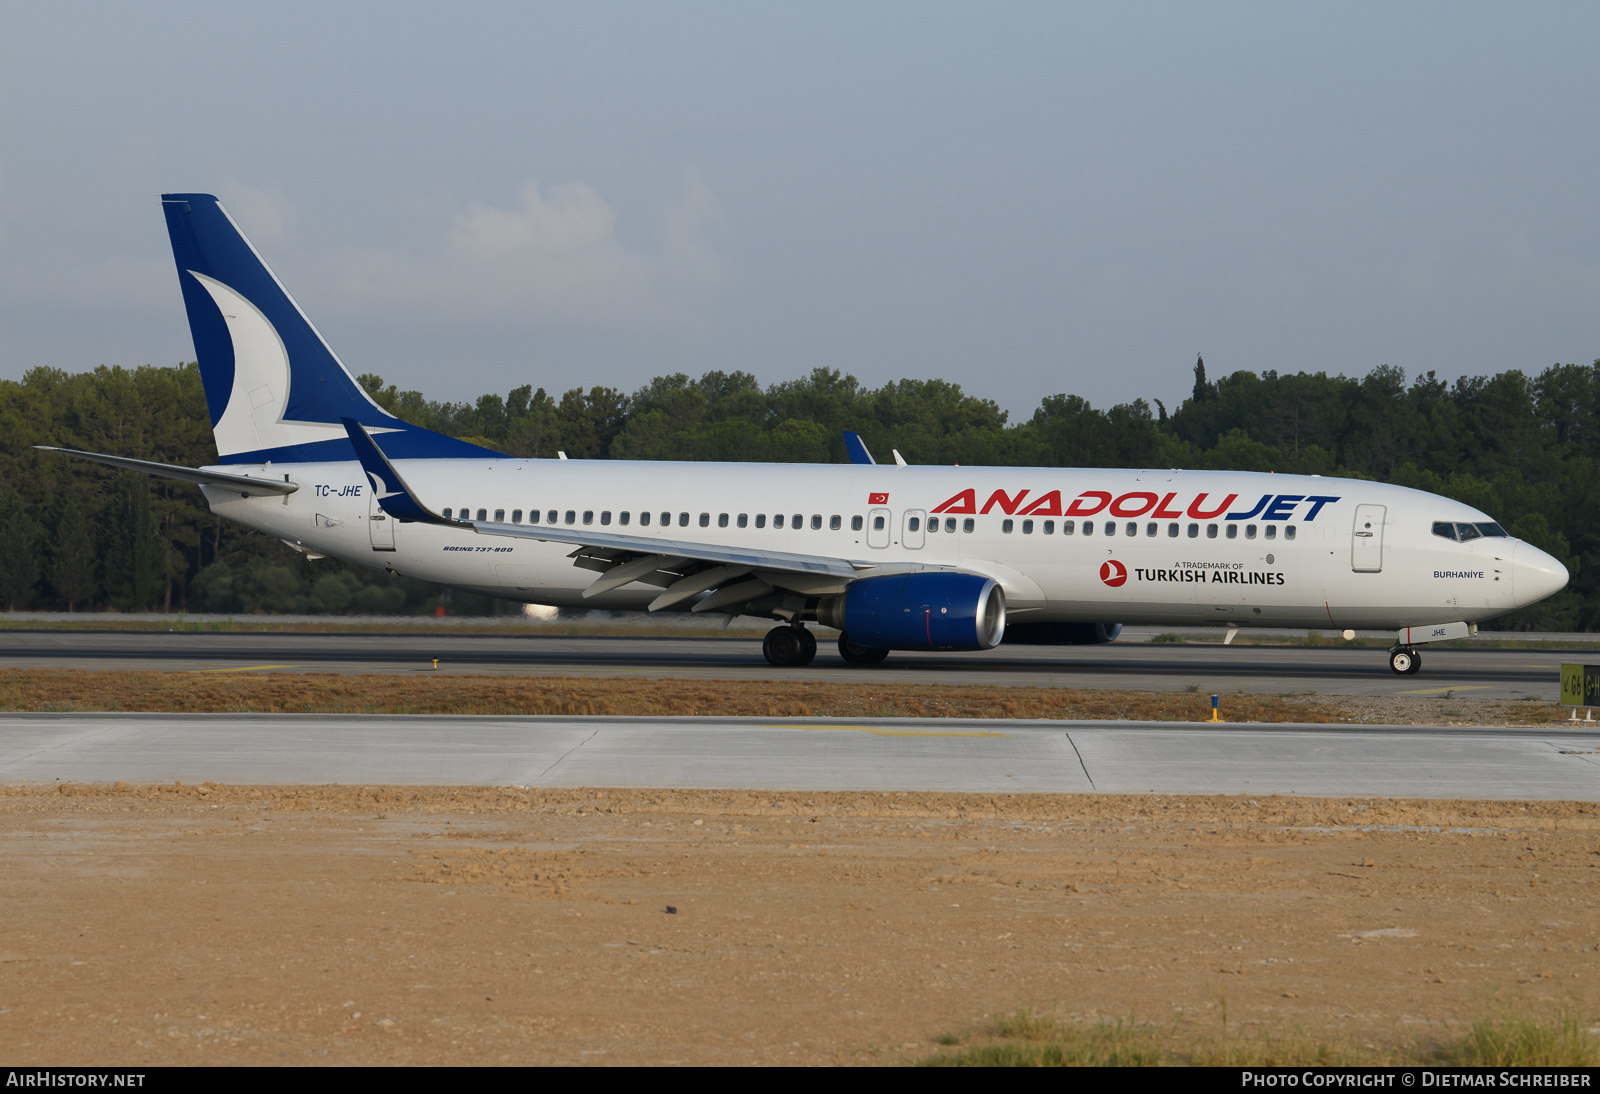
{"x": 1161, "y": 549}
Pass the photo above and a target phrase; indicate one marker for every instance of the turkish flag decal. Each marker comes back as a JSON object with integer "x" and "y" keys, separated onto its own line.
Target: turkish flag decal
{"x": 877, "y": 499}
{"x": 1113, "y": 573}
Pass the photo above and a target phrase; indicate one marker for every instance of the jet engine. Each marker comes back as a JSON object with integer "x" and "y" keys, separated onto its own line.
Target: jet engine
{"x": 922, "y": 611}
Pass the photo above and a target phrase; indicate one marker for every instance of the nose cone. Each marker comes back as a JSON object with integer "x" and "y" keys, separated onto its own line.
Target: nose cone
{"x": 1535, "y": 575}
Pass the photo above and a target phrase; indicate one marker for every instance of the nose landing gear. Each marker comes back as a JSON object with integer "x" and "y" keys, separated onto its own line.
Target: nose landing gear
{"x": 1405, "y": 661}
{"x": 789, "y": 647}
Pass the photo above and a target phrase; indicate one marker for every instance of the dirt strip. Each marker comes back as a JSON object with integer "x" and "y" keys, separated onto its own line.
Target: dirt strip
{"x": 333, "y": 693}
{"x": 477, "y": 925}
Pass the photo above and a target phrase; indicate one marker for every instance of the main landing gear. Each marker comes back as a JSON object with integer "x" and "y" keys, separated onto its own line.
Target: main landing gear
{"x": 859, "y": 655}
{"x": 789, "y": 647}
{"x": 1405, "y": 661}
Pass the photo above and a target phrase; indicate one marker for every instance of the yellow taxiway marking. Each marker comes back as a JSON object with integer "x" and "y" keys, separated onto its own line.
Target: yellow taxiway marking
{"x": 1458, "y": 687}
{"x": 250, "y": 668}
{"x": 889, "y": 731}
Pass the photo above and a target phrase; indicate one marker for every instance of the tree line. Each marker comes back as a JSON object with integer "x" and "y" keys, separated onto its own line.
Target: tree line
{"x": 75, "y": 536}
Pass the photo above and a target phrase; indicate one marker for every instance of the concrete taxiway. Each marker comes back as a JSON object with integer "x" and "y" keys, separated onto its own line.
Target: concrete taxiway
{"x": 806, "y": 754}
{"x": 1324, "y": 670}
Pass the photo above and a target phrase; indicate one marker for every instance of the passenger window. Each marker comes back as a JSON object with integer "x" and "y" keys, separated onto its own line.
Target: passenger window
{"x": 1211, "y": 531}
{"x": 950, "y": 524}
{"x": 1088, "y": 527}
{"x": 1152, "y": 528}
{"x": 1288, "y": 531}
{"x": 1068, "y": 527}
{"x": 605, "y": 516}
{"x": 1111, "y": 527}
{"x": 446, "y": 515}
{"x": 913, "y": 524}
{"x": 722, "y": 520}
{"x": 1133, "y": 528}
{"x": 1272, "y": 531}
{"x": 1440, "y": 527}
{"x": 777, "y": 520}
{"x": 1467, "y": 531}
{"x": 855, "y": 523}
{"x": 761, "y": 520}
{"x": 572, "y": 516}
{"x": 623, "y": 517}
{"x": 1233, "y": 531}
{"x": 666, "y": 519}
{"x": 797, "y": 522}
{"x": 835, "y": 522}
{"x": 816, "y": 522}
{"x": 644, "y": 520}
{"x": 683, "y": 520}
{"x": 1249, "y": 531}
{"x": 705, "y": 520}
{"x": 1049, "y": 527}
{"x": 744, "y": 520}
{"x": 877, "y": 524}
{"x": 1005, "y": 526}
{"x": 968, "y": 525}
{"x": 1194, "y": 531}
{"x": 1027, "y": 527}
{"x": 499, "y": 516}
{"x": 550, "y": 517}
{"x": 588, "y": 516}
{"x": 483, "y": 514}
{"x": 516, "y": 516}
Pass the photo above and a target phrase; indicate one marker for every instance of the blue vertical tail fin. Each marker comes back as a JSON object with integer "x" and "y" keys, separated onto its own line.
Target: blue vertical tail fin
{"x": 275, "y": 389}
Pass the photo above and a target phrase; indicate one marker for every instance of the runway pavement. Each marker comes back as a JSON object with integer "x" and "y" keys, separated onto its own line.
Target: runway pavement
{"x": 805, "y": 754}
{"x": 1325, "y": 670}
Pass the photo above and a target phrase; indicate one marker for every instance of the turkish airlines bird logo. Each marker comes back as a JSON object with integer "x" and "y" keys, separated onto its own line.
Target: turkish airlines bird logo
{"x": 1113, "y": 573}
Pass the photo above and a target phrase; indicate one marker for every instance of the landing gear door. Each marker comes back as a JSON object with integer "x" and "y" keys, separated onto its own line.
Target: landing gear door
{"x": 379, "y": 523}
{"x": 916, "y": 521}
{"x": 878, "y": 528}
{"x": 1366, "y": 544}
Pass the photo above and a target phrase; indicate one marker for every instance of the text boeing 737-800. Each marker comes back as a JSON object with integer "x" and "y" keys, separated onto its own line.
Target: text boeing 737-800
{"x": 894, "y": 557}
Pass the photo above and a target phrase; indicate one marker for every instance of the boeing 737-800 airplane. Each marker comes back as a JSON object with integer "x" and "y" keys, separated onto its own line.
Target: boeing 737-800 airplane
{"x": 895, "y": 557}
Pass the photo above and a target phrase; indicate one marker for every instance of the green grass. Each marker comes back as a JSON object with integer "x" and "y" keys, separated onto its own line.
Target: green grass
{"x": 1027, "y": 1038}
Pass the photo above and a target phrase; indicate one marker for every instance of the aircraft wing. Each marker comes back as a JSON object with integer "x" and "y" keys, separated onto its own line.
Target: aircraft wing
{"x": 245, "y": 484}
{"x": 732, "y": 576}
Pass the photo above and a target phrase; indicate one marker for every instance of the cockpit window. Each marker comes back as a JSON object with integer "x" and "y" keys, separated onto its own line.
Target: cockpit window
{"x": 1444, "y": 528}
{"x": 1467, "y": 531}
{"x": 1492, "y": 530}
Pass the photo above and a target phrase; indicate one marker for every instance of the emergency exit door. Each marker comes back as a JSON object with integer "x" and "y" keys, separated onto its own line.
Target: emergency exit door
{"x": 1366, "y": 543}
{"x": 878, "y": 527}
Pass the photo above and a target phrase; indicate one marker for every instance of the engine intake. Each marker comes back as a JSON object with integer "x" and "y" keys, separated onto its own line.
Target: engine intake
{"x": 926, "y": 611}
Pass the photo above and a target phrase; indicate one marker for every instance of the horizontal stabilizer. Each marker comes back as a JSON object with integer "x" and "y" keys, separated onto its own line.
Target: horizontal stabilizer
{"x": 246, "y": 484}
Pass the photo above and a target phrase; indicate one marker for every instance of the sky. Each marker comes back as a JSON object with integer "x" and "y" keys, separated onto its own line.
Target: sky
{"x": 1023, "y": 199}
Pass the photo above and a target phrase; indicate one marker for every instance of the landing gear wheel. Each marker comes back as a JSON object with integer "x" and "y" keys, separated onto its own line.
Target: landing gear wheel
{"x": 781, "y": 647}
{"x": 1405, "y": 662}
{"x": 859, "y": 655}
{"x": 808, "y": 647}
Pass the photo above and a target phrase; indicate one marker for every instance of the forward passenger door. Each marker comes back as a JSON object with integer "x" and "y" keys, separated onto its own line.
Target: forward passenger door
{"x": 1366, "y": 543}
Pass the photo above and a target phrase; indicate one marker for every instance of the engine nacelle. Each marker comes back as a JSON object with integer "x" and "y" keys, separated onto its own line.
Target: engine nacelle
{"x": 1062, "y": 634}
{"x": 924, "y": 611}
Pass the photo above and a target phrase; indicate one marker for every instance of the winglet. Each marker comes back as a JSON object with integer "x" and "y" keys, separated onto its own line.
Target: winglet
{"x": 394, "y": 496}
{"x": 857, "y": 448}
